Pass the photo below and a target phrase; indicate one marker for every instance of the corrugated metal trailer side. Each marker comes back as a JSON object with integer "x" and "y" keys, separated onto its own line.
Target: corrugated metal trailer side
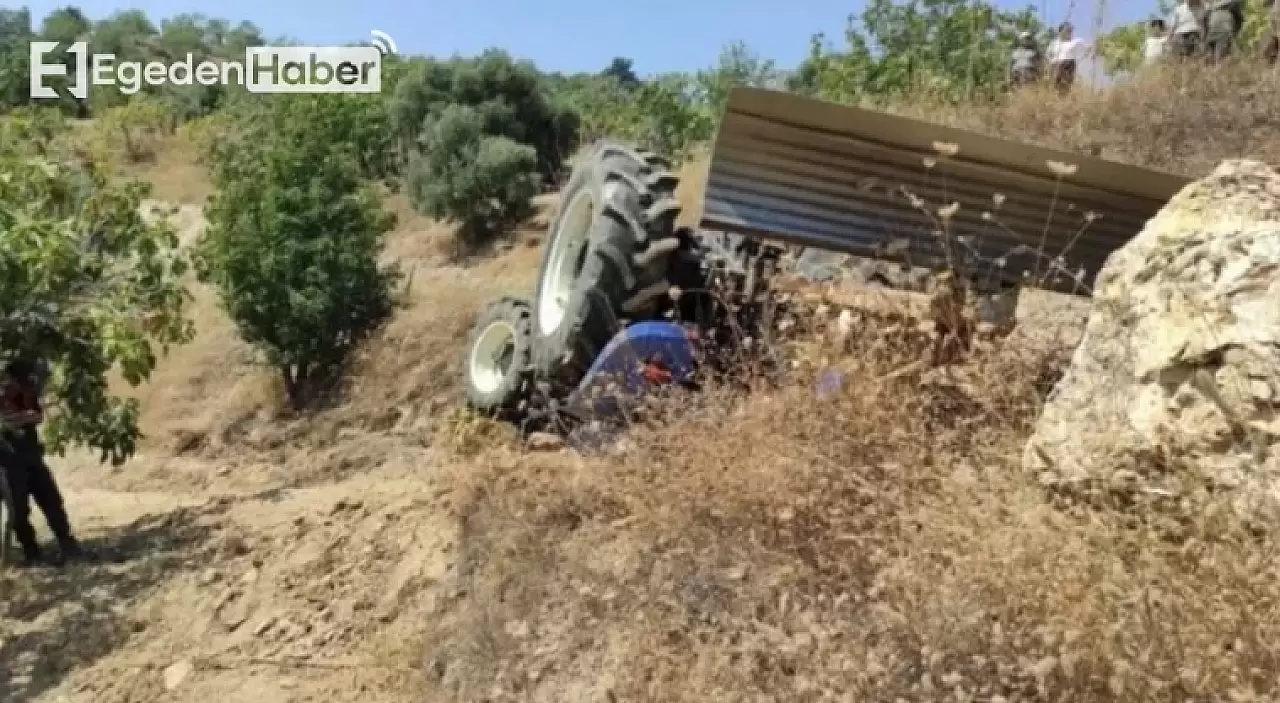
{"x": 868, "y": 183}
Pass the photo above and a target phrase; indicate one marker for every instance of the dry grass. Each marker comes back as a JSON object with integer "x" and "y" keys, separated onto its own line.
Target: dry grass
{"x": 208, "y": 396}
{"x": 881, "y": 543}
{"x": 693, "y": 182}
{"x": 1179, "y": 118}
{"x": 175, "y": 174}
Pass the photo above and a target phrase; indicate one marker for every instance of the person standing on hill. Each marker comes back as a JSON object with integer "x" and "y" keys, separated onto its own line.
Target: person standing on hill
{"x": 1157, "y": 42}
{"x": 22, "y": 460}
{"x": 1271, "y": 42}
{"x": 1025, "y": 62}
{"x": 1066, "y": 53}
{"x": 1223, "y": 25}
{"x": 1186, "y": 28}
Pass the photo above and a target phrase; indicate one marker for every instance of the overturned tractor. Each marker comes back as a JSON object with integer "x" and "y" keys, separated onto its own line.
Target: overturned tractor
{"x": 625, "y": 299}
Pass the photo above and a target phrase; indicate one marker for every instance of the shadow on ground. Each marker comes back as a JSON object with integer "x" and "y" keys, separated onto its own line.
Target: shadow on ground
{"x": 53, "y": 620}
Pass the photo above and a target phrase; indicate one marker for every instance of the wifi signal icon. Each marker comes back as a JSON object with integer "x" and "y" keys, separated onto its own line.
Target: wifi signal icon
{"x": 384, "y": 42}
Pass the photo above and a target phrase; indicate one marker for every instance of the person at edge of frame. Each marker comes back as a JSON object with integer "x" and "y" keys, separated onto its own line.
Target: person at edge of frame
{"x": 1271, "y": 42}
{"x": 23, "y": 462}
{"x": 1223, "y": 23}
{"x": 1156, "y": 46}
{"x": 1186, "y": 28}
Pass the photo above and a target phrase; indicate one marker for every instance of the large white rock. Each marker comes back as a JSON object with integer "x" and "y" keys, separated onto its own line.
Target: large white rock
{"x": 1177, "y": 378}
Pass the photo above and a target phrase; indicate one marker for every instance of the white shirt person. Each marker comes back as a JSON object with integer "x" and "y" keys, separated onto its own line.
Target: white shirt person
{"x": 1066, "y": 53}
{"x": 1156, "y": 44}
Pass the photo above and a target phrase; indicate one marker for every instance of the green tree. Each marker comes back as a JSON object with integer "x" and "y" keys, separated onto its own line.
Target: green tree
{"x": 674, "y": 112}
{"x": 602, "y": 105}
{"x": 66, "y": 24}
{"x": 130, "y": 133}
{"x": 621, "y": 70}
{"x": 38, "y": 128}
{"x": 179, "y": 37}
{"x": 393, "y": 69}
{"x": 948, "y": 49}
{"x": 512, "y": 96}
{"x": 1121, "y": 48}
{"x": 362, "y": 121}
{"x": 87, "y": 284}
{"x": 670, "y": 112}
{"x": 835, "y": 75}
{"x": 128, "y": 34}
{"x": 15, "y": 57}
{"x": 293, "y": 243}
{"x": 738, "y": 65}
{"x": 481, "y": 181}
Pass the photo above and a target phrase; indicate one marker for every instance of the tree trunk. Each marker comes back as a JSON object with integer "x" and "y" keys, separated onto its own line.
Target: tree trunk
{"x": 294, "y": 386}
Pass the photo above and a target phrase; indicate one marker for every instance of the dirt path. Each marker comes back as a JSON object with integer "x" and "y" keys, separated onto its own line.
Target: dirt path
{"x": 283, "y": 594}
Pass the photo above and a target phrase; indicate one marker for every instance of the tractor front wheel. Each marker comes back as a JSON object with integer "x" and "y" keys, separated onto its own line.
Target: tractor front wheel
{"x": 497, "y": 361}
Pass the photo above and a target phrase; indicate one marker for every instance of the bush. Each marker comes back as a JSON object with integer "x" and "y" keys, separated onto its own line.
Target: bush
{"x": 34, "y": 128}
{"x": 131, "y": 132}
{"x": 293, "y": 242}
{"x": 483, "y": 182}
{"x": 88, "y": 285}
{"x": 362, "y": 120}
{"x": 209, "y": 134}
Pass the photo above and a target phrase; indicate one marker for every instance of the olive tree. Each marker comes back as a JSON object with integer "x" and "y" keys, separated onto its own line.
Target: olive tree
{"x": 513, "y": 99}
{"x": 482, "y": 182}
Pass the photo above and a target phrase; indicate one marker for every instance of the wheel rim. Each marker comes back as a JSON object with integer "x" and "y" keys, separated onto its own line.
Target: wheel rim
{"x": 564, "y": 263}
{"x": 492, "y": 356}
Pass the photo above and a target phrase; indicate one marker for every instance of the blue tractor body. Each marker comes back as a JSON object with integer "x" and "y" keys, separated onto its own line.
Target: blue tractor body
{"x": 641, "y": 356}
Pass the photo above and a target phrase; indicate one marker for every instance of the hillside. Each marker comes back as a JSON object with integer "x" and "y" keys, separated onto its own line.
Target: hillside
{"x": 876, "y": 541}
{"x": 230, "y": 527}
{"x": 379, "y": 551}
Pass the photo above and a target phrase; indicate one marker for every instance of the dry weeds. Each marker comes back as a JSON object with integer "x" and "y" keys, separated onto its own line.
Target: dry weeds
{"x": 175, "y": 173}
{"x": 1182, "y": 118}
{"x": 878, "y": 543}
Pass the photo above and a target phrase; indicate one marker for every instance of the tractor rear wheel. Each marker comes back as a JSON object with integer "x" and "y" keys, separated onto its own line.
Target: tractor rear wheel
{"x": 607, "y": 257}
